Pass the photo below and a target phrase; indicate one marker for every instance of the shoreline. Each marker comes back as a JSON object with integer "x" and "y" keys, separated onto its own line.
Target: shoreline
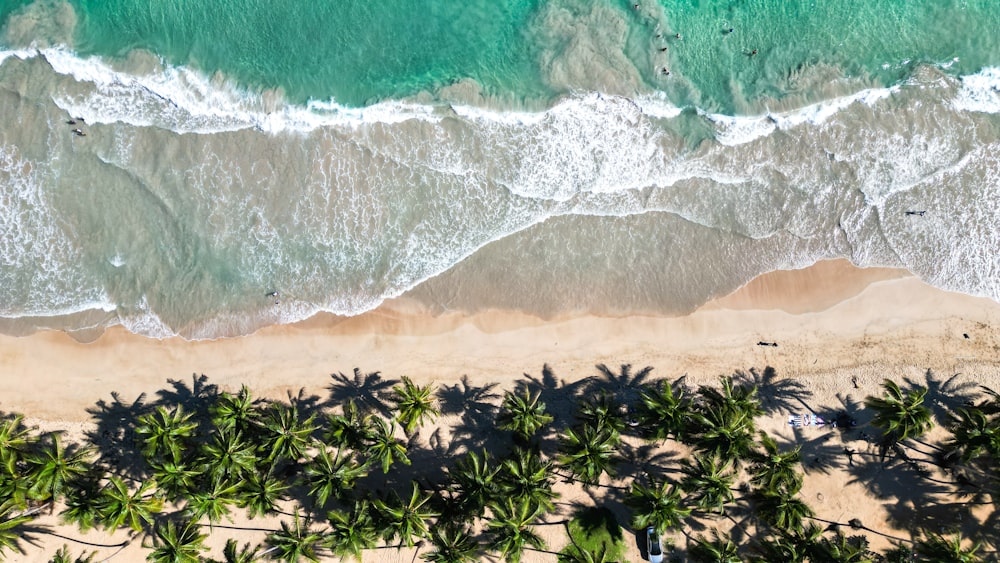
{"x": 829, "y": 316}
{"x": 841, "y": 330}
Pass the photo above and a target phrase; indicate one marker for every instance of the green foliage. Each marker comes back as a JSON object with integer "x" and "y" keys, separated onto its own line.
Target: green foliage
{"x": 526, "y": 477}
{"x": 294, "y": 542}
{"x": 351, "y": 532}
{"x": 63, "y": 555}
{"x": 659, "y": 505}
{"x": 716, "y": 550}
{"x": 510, "y": 529}
{"x": 52, "y": 468}
{"x": 121, "y": 507}
{"x": 524, "y": 414}
{"x": 286, "y": 437}
{"x": 590, "y": 452}
{"x": 11, "y": 523}
{"x": 665, "y": 411}
{"x": 332, "y": 476}
{"x": 406, "y": 518}
{"x": 384, "y": 447}
{"x": 174, "y": 542}
{"x": 594, "y": 536}
{"x": 475, "y": 478}
{"x": 899, "y": 414}
{"x": 948, "y": 549}
{"x": 414, "y": 404}
{"x": 452, "y": 544}
{"x": 708, "y": 483}
{"x": 166, "y": 433}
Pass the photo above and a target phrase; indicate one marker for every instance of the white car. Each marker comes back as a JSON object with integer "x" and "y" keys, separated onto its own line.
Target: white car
{"x": 653, "y": 547}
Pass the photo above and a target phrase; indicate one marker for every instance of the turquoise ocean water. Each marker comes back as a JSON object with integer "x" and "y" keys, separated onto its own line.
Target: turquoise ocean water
{"x": 528, "y": 154}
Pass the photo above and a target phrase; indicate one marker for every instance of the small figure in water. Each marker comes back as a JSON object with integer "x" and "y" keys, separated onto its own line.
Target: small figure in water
{"x": 71, "y": 122}
{"x": 662, "y": 49}
{"x": 79, "y": 133}
{"x": 920, "y": 213}
{"x": 730, "y": 30}
{"x": 275, "y": 295}
{"x": 678, "y": 36}
{"x": 754, "y": 52}
{"x": 666, "y": 72}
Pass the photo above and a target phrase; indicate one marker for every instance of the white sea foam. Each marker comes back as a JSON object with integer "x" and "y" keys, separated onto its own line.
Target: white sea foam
{"x": 738, "y": 130}
{"x": 980, "y": 92}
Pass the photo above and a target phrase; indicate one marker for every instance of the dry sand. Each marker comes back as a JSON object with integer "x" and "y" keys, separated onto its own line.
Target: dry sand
{"x": 832, "y": 322}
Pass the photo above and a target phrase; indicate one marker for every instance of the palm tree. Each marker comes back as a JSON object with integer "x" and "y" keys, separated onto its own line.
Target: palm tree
{"x": 452, "y": 544}
{"x": 665, "y": 411}
{"x": 384, "y": 446}
{"x": 15, "y": 441}
{"x": 900, "y": 415}
{"x": 406, "y": 519}
{"x": 524, "y": 415}
{"x": 781, "y": 509}
{"x": 525, "y": 476}
{"x": 286, "y": 437}
{"x": 601, "y": 412}
{"x": 176, "y": 543}
{"x": 174, "y": 479}
{"x": 228, "y": 456}
{"x": 212, "y": 499}
{"x": 708, "y": 481}
{"x": 414, "y": 403}
{"x": 725, "y": 432}
{"x": 510, "y": 528}
{"x": 590, "y": 452}
{"x": 295, "y": 542}
{"x": 659, "y": 505}
{"x": 260, "y": 493}
{"x": 351, "y": 532}
{"x": 476, "y": 481}
{"x": 63, "y": 556}
{"x": 792, "y": 546}
{"x": 11, "y": 532}
{"x": 166, "y": 433}
{"x": 730, "y": 397}
{"x": 947, "y": 550}
{"x": 84, "y": 501}
{"x": 119, "y": 506}
{"x": 716, "y": 550}
{"x": 349, "y": 430}
{"x": 842, "y": 549}
{"x": 233, "y": 554}
{"x": 237, "y": 413}
{"x": 52, "y": 468}
{"x": 773, "y": 469}
{"x": 332, "y": 476}
{"x": 973, "y": 433}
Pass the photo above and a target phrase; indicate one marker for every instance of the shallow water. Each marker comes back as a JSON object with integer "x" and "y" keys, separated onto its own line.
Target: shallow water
{"x": 528, "y": 155}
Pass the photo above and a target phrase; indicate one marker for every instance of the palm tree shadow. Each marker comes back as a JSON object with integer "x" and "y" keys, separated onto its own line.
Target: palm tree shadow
{"x": 778, "y": 395}
{"x": 196, "y": 399}
{"x": 944, "y": 397}
{"x": 820, "y": 454}
{"x": 478, "y": 407}
{"x": 307, "y": 405}
{"x": 367, "y": 390}
{"x": 114, "y": 433}
{"x": 624, "y": 386}
{"x": 646, "y": 459}
{"x": 464, "y": 398}
{"x": 898, "y": 479}
{"x": 560, "y": 400}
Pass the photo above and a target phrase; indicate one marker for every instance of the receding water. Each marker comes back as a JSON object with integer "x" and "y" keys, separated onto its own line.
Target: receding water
{"x": 519, "y": 154}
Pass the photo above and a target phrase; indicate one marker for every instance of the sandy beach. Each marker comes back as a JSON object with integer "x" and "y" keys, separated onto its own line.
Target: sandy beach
{"x": 833, "y": 323}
